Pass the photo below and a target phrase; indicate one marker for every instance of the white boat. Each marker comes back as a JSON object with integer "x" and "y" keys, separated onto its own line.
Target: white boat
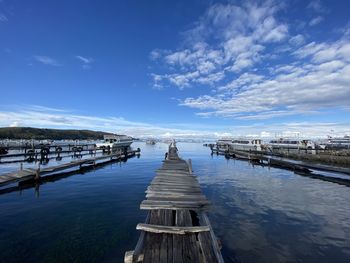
{"x": 245, "y": 144}
{"x": 114, "y": 141}
{"x": 337, "y": 143}
{"x": 239, "y": 144}
{"x": 223, "y": 143}
{"x": 291, "y": 144}
{"x": 151, "y": 141}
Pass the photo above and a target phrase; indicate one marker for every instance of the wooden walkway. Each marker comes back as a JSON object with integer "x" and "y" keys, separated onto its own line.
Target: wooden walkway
{"x": 30, "y": 173}
{"x": 177, "y": 228}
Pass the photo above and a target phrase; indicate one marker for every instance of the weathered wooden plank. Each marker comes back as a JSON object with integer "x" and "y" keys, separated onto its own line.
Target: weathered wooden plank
{"x": 175, "y": 163}
{"x": 172, "y": 195}
{"x": 156, "y": 240}
{"x": 173, "y": 191}
{"x": 177, "y": 230}
{"x": 173, "y": 184}
{"x": 170, "y": 248}
{"x": 188, "y": 182}
{"x": 176, "y": 179}
{"x": 214, "y": 240}
{"x": 177, "y": 249}
{"x": 163, "y": 253}
{"x": 180, "y": 183}
{"x": 152, "y": 202}
{"x": 176, "y": 167}
{"x": 173, "y": 207}
{"x": 190, "y": 251}
{"x": 173, "y": 187}
{"x": 182, "y": 180}
{"x": 140, "y": 243}
{"x": 172, "y": 198}
{"x": 193, "y": 246}
{"x": 183, "y": 218}
{"x": 206, "y": 247}
{"x": 147, "y": 250}
{"x": 148, "y": 205}
{"x": 172, "y": 170}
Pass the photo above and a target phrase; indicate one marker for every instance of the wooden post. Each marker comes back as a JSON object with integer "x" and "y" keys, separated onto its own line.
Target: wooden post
{"x": 190, "y": 165}
{"x": 37, "y": 192}
{"x": 37, "y": 173}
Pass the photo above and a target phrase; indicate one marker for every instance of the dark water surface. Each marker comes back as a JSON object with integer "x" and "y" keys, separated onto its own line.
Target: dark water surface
{"x": 259, "y": 214}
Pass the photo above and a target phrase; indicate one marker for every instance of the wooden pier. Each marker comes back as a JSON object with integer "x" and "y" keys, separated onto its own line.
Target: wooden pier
{"x": 36, "y": 174}
{"x": 177, "y": 228}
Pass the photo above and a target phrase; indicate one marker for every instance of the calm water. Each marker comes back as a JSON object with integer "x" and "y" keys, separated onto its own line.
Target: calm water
{"x": 259, "y": 214}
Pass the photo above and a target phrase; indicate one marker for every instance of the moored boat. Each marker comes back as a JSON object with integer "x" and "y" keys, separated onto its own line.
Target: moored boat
{"x": 245, "y": 144}
{"x": 336, "y": 143}
{"x": 222, "y": 144}
{"x": 283, "y": 143}
{"x": 151, "y": 141}
{"x": 114, "y": 141}
{"x": 239, "y": 144}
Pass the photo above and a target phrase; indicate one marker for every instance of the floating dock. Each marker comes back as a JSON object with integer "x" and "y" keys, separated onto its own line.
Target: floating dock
{"x": 286, "y": 163}
{"x": 36, "y": 174}
{"x": 340, "y": 175}
{"x": 177, "y": 228}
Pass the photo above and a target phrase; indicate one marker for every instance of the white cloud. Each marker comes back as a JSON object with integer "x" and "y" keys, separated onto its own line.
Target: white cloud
{"x": 44, "y": 117}
{"x": 15, "y": 124}
{"x": 322, "y": 52}
{"x": 320, "y": 81}
{"x": 240, "y": 35}
{"x": 297, "y": 40}
{"x": 315, "y": 21}
{"x": 3, "y": 18}
{"x": 47, "y": 60}
{"x": 316, "y": 6}
{"x": 157, "y": 81}
{"x": 154, "y": 55}
{"x": 86, "y": 61}
{"x": 237, "y": 51}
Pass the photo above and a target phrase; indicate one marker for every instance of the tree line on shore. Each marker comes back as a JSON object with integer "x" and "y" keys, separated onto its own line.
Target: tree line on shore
{"x": 29, "y": 133}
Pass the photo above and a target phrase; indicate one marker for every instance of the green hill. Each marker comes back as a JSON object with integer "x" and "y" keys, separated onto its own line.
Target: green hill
{"x": 53, "y": 134}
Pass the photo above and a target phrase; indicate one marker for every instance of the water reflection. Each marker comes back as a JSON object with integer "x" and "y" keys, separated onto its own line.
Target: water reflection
{"x": 260, "y": 214}
{"x": 273, "y": 215}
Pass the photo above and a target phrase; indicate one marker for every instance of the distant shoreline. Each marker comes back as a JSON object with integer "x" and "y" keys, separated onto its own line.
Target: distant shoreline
{"x": 29, "y": 133}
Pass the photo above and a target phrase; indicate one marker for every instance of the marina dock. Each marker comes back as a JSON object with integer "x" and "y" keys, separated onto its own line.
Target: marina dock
{"x": 36, "y": 174}
{"x": 312, "y": 170}
{"x": 177, "y": 228}
{"x": 290, "y": 164}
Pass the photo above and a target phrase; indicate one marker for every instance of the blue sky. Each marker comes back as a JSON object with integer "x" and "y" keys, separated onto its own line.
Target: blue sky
{"x": 177, "y": 68}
